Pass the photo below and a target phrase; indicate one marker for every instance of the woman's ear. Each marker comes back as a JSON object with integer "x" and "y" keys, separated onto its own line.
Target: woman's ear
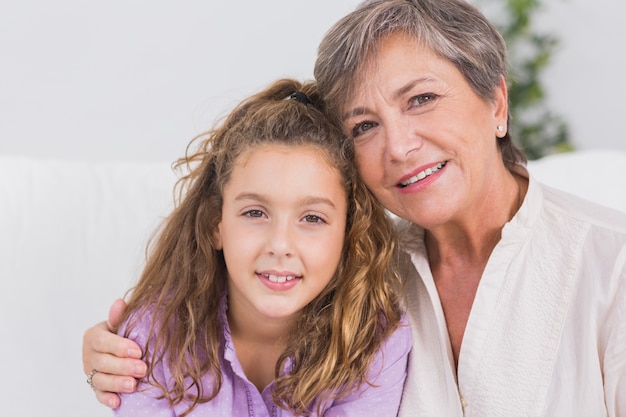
{"x": 501, "y": 109}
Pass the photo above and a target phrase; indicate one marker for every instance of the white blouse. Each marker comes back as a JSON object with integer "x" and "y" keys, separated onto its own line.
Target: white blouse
{"x": 546, "y": 335}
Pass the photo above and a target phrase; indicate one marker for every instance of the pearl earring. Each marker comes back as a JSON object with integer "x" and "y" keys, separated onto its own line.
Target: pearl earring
{"x": 500, "y": 128}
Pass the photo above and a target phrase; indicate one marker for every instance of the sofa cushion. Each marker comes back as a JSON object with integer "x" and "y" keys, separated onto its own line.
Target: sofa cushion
{"x": 72, "y": 239}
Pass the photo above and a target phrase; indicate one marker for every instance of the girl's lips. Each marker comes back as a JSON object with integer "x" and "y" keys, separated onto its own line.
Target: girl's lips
{"x": 279, "y": 282}
{"x": 419, "y": 176}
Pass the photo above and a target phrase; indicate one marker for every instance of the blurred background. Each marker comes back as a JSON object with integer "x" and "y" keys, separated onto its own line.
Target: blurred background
{"x": 137, "y": 79}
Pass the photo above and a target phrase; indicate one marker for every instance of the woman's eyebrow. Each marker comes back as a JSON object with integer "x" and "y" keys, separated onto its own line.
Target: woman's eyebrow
{"x": 357, "y": 111}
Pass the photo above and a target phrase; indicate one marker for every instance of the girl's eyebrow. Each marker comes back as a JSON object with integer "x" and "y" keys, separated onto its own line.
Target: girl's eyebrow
{"x": 318, "y": 200}
{"x": 250, "y": 196}
{"x": 309, "y": 200}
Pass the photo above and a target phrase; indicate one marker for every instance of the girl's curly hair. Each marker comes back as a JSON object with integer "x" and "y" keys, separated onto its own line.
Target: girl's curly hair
{"x": 338, "y": 333}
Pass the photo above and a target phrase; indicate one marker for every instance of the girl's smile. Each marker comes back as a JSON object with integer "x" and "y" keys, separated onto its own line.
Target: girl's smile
{"x": 279, "y": 281}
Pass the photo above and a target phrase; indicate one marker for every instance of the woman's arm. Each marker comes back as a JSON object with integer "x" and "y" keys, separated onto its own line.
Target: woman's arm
{"x": 117, "y": 360}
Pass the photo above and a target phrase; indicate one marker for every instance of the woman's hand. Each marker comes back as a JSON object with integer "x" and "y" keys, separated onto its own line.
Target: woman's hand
{"x": 111, "y": 362}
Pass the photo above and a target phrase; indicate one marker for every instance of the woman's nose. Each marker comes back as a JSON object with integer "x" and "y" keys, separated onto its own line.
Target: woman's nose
{"x": 401, "y": 139}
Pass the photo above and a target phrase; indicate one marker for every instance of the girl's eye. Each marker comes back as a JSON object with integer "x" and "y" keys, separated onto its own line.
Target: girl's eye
{"x": 253, "y": 213}
{"x": 362, "y": 127}
{"x": 422, "y": 99}
{"x": 312, "y": 218}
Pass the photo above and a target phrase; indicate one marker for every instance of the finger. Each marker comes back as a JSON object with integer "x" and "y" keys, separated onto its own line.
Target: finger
{"x": 99, "y": 339}
{"x": 122, "y": 367}
{"x": 109, "y": 399}
{"x": 116, "y": 312}
{"x": 127, "y": 348}
{"x": 110, "y": 353}
{"x": 88, "y": 351}
{"x": 112, "y": 384}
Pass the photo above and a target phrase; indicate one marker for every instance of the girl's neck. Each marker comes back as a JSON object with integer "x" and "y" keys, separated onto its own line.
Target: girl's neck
{"x": 259, "y": 343}
{"x": 254, "y": 329}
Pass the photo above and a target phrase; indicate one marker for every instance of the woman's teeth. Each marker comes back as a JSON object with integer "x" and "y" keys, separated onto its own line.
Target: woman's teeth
{"x": 422, "y": 174}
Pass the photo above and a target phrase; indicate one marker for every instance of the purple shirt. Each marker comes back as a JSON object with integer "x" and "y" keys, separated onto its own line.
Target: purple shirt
{"x": 239, "y": 397}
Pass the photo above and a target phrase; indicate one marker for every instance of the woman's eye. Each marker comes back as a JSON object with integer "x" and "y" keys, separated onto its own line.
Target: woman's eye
{"x": 312, "y": 218}
{"x": 253, "y": 213}
{"x": 362, "y": 127}
{"x": 422, "y": 99}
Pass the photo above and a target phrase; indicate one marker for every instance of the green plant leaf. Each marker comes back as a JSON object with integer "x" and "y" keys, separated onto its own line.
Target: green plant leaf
{"x": 533, "y": 126}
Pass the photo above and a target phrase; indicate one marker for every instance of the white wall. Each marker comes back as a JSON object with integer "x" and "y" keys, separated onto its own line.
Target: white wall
{"x": 137, "y": 79}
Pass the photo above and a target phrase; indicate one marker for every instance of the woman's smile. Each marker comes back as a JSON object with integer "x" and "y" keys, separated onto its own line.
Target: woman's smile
{"x": 422, "y": 175}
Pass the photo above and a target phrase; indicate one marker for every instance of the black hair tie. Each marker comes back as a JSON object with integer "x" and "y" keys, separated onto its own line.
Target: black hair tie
{"x": 301, "y": 97}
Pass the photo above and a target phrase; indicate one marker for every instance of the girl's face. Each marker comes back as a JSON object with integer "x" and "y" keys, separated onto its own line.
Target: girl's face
{"x": 425, "y": 141}
{"x": 282, "y": 229}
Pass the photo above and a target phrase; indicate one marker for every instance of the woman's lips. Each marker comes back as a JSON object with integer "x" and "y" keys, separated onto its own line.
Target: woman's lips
{"x": 422, "y": 174}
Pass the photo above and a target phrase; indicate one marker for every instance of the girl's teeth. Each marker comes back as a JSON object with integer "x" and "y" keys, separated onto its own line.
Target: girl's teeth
{"x": 280, "y": 278}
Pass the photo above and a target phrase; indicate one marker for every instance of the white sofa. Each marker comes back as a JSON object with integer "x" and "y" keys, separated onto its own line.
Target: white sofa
{"x": 72, "y": 239}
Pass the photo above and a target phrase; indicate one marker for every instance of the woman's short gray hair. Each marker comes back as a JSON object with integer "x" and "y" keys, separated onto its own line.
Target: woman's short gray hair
{"x": 453, "y": 29}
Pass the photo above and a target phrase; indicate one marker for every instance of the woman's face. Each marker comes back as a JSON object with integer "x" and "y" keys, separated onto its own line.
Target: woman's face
{"x": 425, "y": 141}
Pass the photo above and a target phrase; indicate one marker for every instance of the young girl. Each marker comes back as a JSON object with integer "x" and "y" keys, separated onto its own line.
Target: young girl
{"x": 270, "y": 289}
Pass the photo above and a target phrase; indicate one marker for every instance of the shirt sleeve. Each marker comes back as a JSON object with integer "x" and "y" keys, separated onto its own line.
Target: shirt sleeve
{"x": 145, "y": 400}
{"x": 614, "y": 364}
{"x": 387, "y": 374}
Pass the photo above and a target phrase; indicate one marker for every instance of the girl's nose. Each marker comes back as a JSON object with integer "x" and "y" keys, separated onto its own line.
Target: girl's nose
{"x": 280, "y": 239}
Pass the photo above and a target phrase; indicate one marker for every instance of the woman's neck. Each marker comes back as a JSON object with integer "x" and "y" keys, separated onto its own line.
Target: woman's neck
{"x": 458, "y": 252}
{"x": 472, "y": 236}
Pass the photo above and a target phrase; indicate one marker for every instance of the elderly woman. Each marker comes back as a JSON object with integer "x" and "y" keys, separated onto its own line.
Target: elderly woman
{"x": 516, "y": 291}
